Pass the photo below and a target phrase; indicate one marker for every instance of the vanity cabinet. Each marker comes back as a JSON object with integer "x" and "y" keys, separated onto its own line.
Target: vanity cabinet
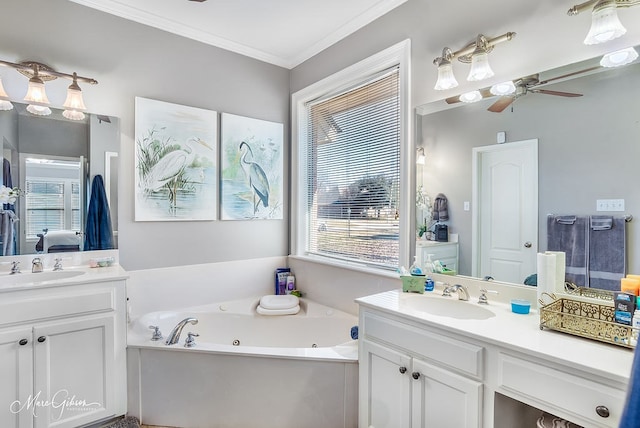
{"x": 404, "y": 384}
{"x": 446, "y": 252}
{"x": 62, "y": 355}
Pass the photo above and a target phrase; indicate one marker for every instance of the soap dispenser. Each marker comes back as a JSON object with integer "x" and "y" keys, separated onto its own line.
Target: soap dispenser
{"x": 415, "y": 267}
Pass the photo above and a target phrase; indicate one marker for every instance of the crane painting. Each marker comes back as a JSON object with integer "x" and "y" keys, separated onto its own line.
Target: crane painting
{"x": 175, "y": 162}
{"x": 252, "y": 168}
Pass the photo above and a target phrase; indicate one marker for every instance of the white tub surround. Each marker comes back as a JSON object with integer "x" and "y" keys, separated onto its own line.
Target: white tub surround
{"x": 454, "y": 368}
{"x": 274, "y": 370}
{"x": 62, "y": 347}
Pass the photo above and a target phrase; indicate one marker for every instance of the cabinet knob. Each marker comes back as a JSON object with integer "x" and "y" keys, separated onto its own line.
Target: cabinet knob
{"x": 415, "y": 375}
{"x": 42, "y": 339}
{"x": 23, "y": 342}
{"x": 527, "y": 244}
{"x": 403, "y": 370}
{"x": 602, "y": 411}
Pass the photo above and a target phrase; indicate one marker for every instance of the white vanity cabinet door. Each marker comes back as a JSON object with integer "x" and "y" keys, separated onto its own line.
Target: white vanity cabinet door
{"x": 385, "y": 377}
{"x": 74, "y": 363}
{"x": 16, "y": 375}
{"x": 442, "y": 399}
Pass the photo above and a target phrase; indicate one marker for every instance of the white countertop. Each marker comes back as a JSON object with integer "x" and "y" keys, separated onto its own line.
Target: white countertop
{"x": 83, "y": 275}
{"x": 520, "y": 333}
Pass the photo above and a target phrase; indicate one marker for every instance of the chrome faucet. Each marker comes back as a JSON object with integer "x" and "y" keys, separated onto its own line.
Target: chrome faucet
{"x": 58, "y": 265}
{"x": 36, "y": 265}
{"x": 174, "y": 336}
{"x": 15, "y": 267}
{"x": 463, "y": 293}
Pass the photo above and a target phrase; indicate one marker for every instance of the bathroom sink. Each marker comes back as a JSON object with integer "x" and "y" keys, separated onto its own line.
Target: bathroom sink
{"x": 33, "y": 278}
{"x": 446, "y": 307}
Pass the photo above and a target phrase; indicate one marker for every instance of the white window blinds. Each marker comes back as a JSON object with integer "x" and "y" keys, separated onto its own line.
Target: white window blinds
{"x": 353, "y": 146}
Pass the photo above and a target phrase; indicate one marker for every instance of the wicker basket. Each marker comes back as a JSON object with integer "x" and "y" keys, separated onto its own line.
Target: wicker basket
{"x": 593, "y": 320}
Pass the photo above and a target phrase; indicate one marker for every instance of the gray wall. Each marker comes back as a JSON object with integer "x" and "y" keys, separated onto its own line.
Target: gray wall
{"x": 129, "y": 60}
{"x": 588, "y": 149}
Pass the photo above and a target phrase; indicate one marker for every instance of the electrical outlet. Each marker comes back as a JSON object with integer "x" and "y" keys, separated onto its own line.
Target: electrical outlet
{"x": 466, "y": 205}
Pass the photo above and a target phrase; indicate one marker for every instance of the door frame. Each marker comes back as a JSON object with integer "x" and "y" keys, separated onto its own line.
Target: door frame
{"x": 476, "y": 168}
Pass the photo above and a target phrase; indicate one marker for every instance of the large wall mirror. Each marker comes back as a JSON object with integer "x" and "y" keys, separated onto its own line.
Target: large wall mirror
{"x": 588, "y": 149}
{"x": 53, "y": 161}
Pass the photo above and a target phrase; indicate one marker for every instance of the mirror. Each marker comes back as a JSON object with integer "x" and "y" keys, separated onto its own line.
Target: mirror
{"x": 588, "y": 149}
{"x": 53, "y": 161}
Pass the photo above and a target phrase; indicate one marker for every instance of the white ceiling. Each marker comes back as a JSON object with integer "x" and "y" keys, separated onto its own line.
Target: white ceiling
{"x": 281, "y": 32}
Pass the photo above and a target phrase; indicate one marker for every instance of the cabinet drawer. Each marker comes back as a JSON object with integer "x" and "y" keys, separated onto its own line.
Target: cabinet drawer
{"x": 561, "y": 390}
{"x": 461, "y": 356}
{"x": 52, "y": 306}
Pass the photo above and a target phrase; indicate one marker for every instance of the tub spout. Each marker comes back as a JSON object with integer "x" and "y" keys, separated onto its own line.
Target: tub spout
{"x": 174, "y": 336}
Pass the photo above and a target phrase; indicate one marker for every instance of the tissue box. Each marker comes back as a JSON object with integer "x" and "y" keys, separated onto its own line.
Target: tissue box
{"x": 413, "y": 283}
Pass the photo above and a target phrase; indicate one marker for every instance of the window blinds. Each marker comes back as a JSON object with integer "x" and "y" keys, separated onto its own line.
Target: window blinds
{"x": 353, "y": 162}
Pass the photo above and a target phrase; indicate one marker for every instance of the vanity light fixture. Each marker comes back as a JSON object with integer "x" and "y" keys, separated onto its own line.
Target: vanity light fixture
{"x": 476, "y": 53}
{"x": 619, "y": 58}
{"x": 504, "y": 88}
{"x": 38, "y": 74}
{"x": 471, "y": 97}
{"x": 420, "y": 156}
{"x": 605, "y": 24}
{"x": 5, "y": 104}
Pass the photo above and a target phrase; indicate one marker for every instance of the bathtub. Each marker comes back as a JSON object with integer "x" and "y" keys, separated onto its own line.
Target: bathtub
{"x": 246, "y": 370}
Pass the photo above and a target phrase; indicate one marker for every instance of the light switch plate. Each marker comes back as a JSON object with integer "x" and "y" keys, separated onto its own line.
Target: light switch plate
{"x": 501, "y": 137}
{"x": 610, "y": 205}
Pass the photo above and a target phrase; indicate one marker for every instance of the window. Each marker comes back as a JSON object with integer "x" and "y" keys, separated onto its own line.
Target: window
{"x": 350, "y": 197}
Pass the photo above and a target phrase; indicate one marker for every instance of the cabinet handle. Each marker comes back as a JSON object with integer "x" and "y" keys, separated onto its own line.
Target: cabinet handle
{"x": 403, "y": 370}
{"x": 42, "y": 339}
{"x": 602, "y": 411}
{"x": 415, "y": 375}
{"x": 23, "y": 342}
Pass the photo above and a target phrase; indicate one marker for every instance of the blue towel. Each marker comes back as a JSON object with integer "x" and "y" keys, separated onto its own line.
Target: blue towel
{"x": 631, "y": 412}
{"x": 98, "y": 234}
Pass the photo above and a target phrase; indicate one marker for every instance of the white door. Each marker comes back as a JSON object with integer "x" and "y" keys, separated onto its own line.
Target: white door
{"x": 442, "y": 399}
{"x": 505, "y": 211}
{"x": 74, "y": 370}
{"x": 384, "y": 388}
{"x": 16, "y": 373}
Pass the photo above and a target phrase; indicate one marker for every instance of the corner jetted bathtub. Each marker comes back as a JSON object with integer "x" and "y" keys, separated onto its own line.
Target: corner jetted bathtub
{"x": 246, "y": 370}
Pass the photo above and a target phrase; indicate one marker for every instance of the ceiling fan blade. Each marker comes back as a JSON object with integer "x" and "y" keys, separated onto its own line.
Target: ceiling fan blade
{"x": 559, "y": 93}
{"x": 501, "y": 104}
{"x": 552, "y": 79}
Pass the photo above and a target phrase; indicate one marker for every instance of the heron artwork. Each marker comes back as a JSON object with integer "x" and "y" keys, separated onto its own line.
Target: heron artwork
{"x": 167, "y": 171}
{"x": 257, "y": 178}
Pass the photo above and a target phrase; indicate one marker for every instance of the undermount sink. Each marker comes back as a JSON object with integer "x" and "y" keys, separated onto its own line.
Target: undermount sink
{"x": 34, "y": 278}
{"x": 446, "y": 307}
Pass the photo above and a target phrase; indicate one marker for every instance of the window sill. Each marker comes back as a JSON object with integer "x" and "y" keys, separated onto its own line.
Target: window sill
{"x": 346, "y": 265}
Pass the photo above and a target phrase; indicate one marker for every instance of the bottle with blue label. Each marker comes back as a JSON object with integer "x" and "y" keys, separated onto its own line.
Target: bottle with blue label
{"x": 429, "y": 284}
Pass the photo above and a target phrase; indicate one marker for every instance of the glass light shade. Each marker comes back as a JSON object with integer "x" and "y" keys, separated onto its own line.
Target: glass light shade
{"x": 480, "y": 68}
{"x": 619, "y": 58}
{"x": 36, "y": 93}
{"x": 38, "y": 110}
{"x": 5, "y": 105}
{"x": 504, "y": 88}
{"x": 471, "y": 97}
{"x": 446, "y": 79}
{"x": 74, "y": 99}
{"x": 73, "y": 114}
{"x": 605, "y": 25}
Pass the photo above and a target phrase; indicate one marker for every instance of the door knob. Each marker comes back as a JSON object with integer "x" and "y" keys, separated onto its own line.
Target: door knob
{"x": 527, "y": 244}
{"x": 42, "y": 339}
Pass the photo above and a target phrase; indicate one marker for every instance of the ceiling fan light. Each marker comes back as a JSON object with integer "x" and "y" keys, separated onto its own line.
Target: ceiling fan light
{"x": 446, "y": 78}
{"x": 38, "y": 110}
{"x": 605, "y": 25}
{"x": 471, "y": 97}
{"x": 480, "y": 68}
{"x": 36, "y": 93}
{"x": 619, "y": 58}
{"x": 5, "y": 104}
{"x": 504, "y": 88}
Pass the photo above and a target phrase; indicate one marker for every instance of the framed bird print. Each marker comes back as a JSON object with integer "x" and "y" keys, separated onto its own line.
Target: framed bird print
{"x": 251, "y": 168}
{"x": 176, "y": 162}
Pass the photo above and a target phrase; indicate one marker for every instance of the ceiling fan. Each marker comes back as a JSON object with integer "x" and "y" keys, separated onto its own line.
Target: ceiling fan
{"x": 524, "y": 86}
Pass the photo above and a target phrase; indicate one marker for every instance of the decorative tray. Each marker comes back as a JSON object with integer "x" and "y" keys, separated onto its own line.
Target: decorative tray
{"x": 592, "y": 320}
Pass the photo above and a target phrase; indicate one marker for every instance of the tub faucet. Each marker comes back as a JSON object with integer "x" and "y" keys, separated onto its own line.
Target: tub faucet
{"x": 463, "y": 293}
{"x": 174, "y": 336}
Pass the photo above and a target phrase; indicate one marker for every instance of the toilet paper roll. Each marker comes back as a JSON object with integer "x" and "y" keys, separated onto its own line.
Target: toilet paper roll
{"x": 546, "y": 274}
{"x": 561, "y": 268}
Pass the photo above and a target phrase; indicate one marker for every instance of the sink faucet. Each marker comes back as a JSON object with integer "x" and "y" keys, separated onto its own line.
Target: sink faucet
{"x": 174, "y": 336}
{"x": 36, "y": 265}
{"x": 463, "y": 293}
{"x": 15, "y": 267}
